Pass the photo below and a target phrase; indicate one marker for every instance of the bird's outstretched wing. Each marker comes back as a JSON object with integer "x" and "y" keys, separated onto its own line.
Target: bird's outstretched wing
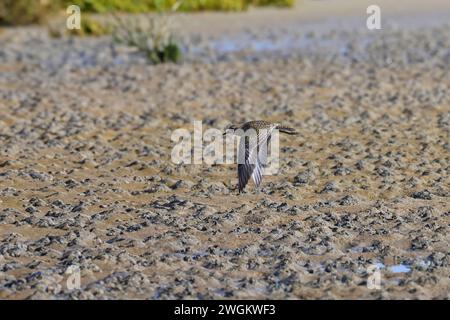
{"x": 255, "y": 158}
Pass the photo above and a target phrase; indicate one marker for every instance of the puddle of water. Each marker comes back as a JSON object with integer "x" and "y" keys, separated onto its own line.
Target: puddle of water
{"x": 285, "y": 43}
{"x": 398, "y": 268}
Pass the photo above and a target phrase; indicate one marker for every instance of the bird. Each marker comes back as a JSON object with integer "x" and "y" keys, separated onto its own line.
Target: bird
{"x": 252, "y": 155}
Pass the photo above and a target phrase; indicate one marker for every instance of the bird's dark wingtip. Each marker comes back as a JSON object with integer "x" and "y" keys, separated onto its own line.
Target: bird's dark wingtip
{"x": 289, "y": 131}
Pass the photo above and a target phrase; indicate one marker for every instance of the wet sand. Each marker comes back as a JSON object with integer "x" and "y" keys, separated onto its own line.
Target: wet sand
{"x": 86, "y": 178}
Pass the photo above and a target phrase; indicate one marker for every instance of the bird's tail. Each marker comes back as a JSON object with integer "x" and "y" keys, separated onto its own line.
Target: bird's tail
{"x": 287, "y": 130}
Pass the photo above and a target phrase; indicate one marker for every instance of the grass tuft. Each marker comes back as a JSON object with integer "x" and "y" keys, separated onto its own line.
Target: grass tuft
{"x": 154, "y": 38}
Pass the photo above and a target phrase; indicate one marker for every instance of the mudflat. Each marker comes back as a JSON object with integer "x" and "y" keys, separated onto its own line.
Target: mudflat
{"x": 86, "y": 177}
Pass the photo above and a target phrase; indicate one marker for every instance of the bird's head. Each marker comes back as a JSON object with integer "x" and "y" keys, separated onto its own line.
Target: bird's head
{"x": 231, "y": 129}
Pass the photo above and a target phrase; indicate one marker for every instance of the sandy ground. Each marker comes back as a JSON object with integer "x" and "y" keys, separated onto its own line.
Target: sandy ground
{"x": 316, "y": 12}
{"x": 86, "y": 178}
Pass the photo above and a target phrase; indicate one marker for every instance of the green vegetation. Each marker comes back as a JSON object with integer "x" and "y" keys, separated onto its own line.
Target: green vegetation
{"x": 90, "y": 27}
{"x": 102, "y": 6}
{"x": 186, "y": 5}
{"x": 277, "y": 3}
{"x": 17, "y": 12}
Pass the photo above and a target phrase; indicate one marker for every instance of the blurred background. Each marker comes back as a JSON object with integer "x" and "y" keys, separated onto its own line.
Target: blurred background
{"x": 178, "y": 26}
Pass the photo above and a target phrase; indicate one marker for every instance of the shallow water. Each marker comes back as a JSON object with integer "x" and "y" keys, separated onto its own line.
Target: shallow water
{"x": 397, "y": 268}
{"x": 343, "y": 38}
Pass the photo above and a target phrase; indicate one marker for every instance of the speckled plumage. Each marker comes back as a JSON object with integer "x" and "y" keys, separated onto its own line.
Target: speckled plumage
{"x": 254, "y": 157}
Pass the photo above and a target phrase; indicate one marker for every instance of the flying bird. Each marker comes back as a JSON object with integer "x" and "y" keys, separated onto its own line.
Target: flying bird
{"x": 252, "y": 154}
